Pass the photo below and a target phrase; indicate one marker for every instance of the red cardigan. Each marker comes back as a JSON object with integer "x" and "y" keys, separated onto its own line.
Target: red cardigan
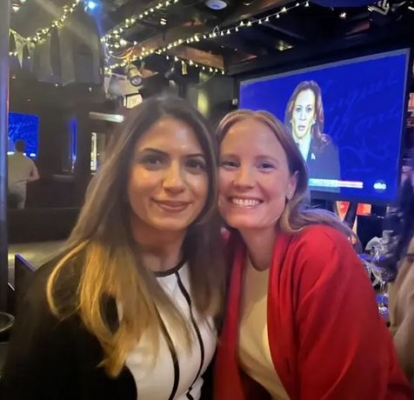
{"x": 327, "y": 340}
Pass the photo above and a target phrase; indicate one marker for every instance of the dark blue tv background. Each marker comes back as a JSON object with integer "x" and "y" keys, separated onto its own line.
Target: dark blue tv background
{"x": 24, "y": 127}
{"x": 365, "y": 104}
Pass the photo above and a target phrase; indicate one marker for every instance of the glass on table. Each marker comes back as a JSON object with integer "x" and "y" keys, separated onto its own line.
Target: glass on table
{"x": 382, "y": 274}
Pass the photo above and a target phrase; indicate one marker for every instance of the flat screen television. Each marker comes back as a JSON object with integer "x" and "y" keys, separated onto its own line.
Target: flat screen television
{"x": 24, "y": 127}
{"x": 347, "y": 118}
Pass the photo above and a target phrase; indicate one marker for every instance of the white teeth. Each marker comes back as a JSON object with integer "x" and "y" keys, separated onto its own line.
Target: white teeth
{"x": 245, "y": 202}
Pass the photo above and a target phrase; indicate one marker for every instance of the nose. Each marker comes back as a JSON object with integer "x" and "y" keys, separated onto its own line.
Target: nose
{"x": 302, "y": 115}
{"x": 174, "y": 180}
{"x": 244, "y": 178}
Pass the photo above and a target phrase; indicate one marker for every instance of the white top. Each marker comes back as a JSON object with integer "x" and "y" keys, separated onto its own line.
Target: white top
{"x": 304, "y": 145}
{"x": 20, "y": 169}
{"x": 254, "y": 351}
{"x": 176, "y": 373}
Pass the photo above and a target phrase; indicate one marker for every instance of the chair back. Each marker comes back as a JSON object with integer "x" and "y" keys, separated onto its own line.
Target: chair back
{"x": 23, "y": 270}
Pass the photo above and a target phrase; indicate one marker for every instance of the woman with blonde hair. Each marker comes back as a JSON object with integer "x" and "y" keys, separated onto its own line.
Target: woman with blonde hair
{"x": 302, "y": 321}
{"x": 127, "y": 311}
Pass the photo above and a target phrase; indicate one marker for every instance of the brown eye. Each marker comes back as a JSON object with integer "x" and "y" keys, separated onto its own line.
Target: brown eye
{"x": 152, "y": 160}
{"x": 196, "y": 164}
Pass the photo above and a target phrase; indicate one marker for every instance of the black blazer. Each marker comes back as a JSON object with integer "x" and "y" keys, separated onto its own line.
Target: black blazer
{"x": 323, "y": 160}
{"x": 49, "y": 359}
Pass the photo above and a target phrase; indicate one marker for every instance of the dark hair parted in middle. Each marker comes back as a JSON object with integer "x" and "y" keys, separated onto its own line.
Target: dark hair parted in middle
{"x": 112, "y": 265}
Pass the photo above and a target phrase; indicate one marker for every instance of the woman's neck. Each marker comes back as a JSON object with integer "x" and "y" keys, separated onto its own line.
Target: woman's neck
{"x": 160, "y": 251}
{"x": 161, "y": 259}
{"x": 260, "y": 246}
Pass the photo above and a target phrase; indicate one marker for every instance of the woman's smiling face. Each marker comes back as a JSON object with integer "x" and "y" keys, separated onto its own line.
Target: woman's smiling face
{"x": 254, "y": 176}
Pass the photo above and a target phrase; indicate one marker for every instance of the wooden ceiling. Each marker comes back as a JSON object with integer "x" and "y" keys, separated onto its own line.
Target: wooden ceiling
{"x": 152, "y": 34}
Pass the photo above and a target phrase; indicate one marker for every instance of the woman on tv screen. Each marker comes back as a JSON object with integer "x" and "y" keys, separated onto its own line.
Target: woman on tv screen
{"x": 304, "y": 117}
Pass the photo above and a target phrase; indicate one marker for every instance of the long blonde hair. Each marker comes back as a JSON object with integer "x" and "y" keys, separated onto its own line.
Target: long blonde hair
{"x": 296, "y": 214}
{"x": 110, "y": 260}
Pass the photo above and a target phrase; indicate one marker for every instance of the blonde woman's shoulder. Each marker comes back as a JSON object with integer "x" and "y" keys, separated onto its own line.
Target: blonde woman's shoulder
{"x": 322, "y": 234}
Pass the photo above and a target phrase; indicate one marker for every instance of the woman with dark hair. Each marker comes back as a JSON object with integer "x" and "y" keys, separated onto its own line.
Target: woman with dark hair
{"x": 302, "y": 322}
{"x": 127, "y": 310}
{"x": 400, "y": 263}
{"x": 305, "y": 119}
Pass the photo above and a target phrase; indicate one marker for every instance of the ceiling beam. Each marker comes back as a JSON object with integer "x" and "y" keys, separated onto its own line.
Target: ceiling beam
{"x": 237, "y": 59}
{"x": 296, "y": 33}
{"x": 242, "y": 44}
{"x": 255, "y": 34}
{"x": 129, "y": 9}
{"x": 258, "y": 7}
{"x": 198, "y": 56}
{"x": 299, "y": 27}
{"x": 162, "y": 40}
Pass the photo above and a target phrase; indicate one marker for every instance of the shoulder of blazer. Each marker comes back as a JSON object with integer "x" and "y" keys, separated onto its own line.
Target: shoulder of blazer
{"x": 323, "y": 144}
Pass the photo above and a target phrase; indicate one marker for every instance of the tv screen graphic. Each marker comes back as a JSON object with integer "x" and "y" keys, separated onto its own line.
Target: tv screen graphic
{"x": 347, "y": 119}
{"x": 24, "y": 127}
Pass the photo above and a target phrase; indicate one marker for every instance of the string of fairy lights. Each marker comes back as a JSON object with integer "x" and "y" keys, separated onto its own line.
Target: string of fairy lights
{"x": 115, "y": 32}
{"x": 43, "y": 33}
{"x": 120, "y": 52}
{"x": 130, "y": 55}
{"x": 190, "y": 63}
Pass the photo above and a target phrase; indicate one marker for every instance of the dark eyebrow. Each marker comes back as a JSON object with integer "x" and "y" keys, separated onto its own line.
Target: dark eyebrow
{"x": 195, "y": 155}
{"x": 164, "y": 153}
{"x": 151, "y": 150}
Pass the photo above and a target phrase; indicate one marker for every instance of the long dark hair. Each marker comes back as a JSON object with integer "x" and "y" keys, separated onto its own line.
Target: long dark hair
{"x": 405, "y": 215}
{"x": 401, "y": 224}
{"x": 111, "y": 265}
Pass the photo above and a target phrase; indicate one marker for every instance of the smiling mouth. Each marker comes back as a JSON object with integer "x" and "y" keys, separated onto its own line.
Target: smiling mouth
{"x": 246, "y": 203}
{"x": 301, "y": 127}
{"x": 172, "y": 205}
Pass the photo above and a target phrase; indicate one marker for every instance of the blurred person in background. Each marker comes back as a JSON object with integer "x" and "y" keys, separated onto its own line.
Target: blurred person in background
{"x": 400, "y": 262}
{"x": 21, "y": 170}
